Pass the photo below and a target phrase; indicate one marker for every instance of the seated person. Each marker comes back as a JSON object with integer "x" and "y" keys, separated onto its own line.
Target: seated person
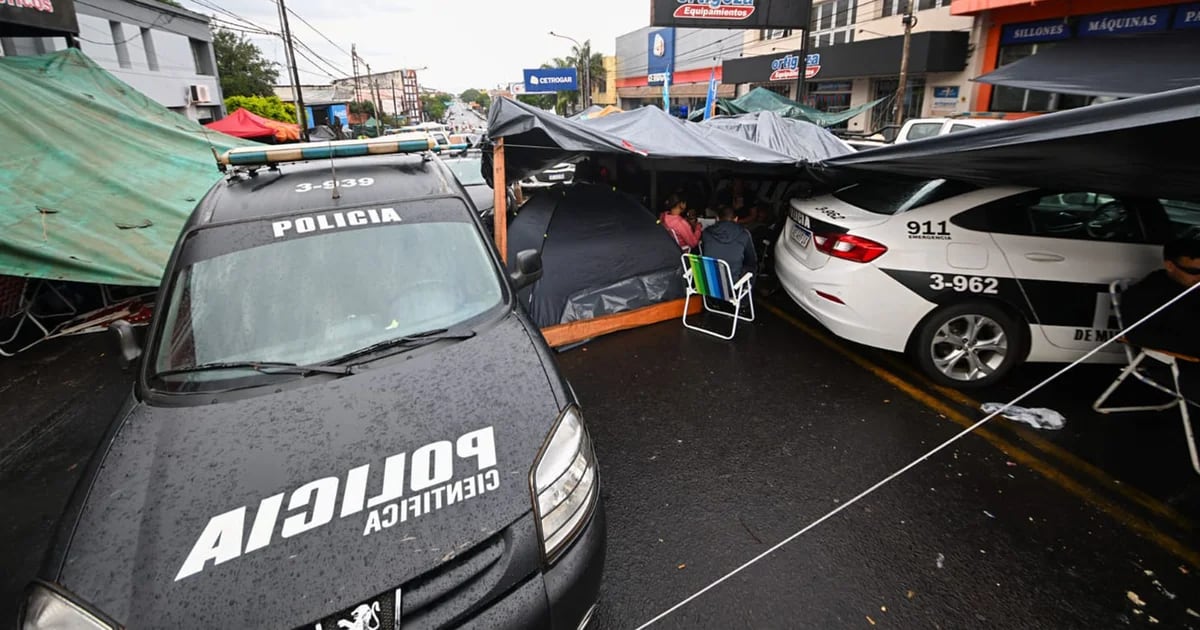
{"x": 1177, "y": 327}
{"x": 728, "y": 241}
{"x": 685, "y": 229}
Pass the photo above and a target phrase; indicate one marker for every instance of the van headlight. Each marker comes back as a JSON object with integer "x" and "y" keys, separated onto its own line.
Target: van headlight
{"x": 564, "y": 483}
{"x": 48, "y": 608}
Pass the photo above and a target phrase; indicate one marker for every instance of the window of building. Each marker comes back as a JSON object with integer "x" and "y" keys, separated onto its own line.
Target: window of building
{"x": 884, "y": 114}
{"x": 148, "y": 46}
{"x": 774, "y": 33}
{"x": 831, "y": 97}
{"x": 202, "y": 56}
{"x": 832, "y": 23}
{"x": 899, "y": 7}
{"x": 120, "y": 44}
{"x": 1010, "y": 99}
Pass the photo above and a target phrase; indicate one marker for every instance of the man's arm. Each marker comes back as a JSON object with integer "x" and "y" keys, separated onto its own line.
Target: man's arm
{"x": 749, "y": 257}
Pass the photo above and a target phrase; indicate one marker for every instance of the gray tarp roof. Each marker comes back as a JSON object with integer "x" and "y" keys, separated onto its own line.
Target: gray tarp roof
{"x": 1110, "y": 66}
{"x": 1137, "y": 147}
{"x": 535, "y": 140}
{"x": 804, "y": 141}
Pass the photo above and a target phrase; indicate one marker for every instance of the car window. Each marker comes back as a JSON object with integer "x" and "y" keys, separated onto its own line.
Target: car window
{"x": 960, "y": 127}
{"x": 468, "y": 171}
{"x": 1085, "y": 216}
{"x": 897, "y": 195}
{"x": 313, "y": 298}
{"x": 923, "y": 130}
{"x": 1184, "y": 217}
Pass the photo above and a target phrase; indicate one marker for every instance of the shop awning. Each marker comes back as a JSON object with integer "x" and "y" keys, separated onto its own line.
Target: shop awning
{"x": 1136, "y": 147}
{"x": 1110, "y": 66}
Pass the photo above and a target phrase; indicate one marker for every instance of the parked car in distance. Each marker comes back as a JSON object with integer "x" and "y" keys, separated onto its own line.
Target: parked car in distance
{"x": 919, "y": 128}
{"x": 558, "y": 174}
{"x": 971, "y": 281}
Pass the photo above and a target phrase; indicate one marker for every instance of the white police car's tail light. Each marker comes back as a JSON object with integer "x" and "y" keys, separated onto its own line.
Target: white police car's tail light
{"x": 848, "y": 247}
{"x": 49, "y": 609}
{"x": 564, "y": 483}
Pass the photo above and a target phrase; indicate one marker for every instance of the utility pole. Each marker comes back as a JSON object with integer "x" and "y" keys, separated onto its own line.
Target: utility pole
{"x": 909, "y": 22}
{"x": 354, "y": 65}
{"x": 301, "y": 114}
{"x": 395, "y": 110}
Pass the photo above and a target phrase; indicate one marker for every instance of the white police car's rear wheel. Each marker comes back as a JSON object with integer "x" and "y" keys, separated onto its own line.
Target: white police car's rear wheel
{"x": 968, "y": 345}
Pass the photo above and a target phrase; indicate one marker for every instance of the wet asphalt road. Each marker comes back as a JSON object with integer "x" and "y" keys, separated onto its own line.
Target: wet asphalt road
{"x": 712, "y": 452}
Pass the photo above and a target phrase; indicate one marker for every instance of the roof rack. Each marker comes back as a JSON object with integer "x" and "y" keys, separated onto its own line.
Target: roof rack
{"x": 398, "y": 143}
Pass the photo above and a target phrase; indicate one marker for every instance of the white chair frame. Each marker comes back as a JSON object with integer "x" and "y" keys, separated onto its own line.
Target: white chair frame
{"x": 741, "y": 291}
{"x": 1134, "y": 357}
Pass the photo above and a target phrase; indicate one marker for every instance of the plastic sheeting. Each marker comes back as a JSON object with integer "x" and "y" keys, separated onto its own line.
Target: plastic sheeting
{"x": 535, "y": 140}
{"x": 97, "y": 179}
{"x": 602, "y": 253}
{"x": 761, "y": 99}
{"x": 804, "y": 141}
{"x": 1110, "y": 66}
{"x": 1137, "y": 147}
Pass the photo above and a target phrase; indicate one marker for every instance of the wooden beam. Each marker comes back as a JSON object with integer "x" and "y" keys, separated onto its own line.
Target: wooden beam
{"x": 573, "y": 332}
{"x": 499, "y": 190}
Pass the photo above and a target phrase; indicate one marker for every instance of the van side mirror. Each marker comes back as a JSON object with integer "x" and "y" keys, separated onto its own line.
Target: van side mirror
{"x": 529, "y": 269}
{"x": 128, "y": 349}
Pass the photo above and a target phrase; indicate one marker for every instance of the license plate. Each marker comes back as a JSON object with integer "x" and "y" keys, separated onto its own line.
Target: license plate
{"x": 556, "y": 177}
{"x": 800, "y": 235}
{"x": 377, "y": 613}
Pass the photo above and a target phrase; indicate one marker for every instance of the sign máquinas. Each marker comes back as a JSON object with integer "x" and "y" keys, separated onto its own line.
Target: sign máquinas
{"x": 1140, "y": 21}
{"x": 37, "y": 17}
{"x": 731, "y": 13}
{"x": 548, "y": 80}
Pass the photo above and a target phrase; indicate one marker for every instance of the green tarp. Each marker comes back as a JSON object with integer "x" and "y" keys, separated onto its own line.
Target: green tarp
{"x": 762, "y": 99}
{"x": 96, "y": 179}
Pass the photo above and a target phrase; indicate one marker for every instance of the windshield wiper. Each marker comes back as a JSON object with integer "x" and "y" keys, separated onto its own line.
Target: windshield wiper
{"x": 265, "y": 367}
{"x": 407, "y": 342}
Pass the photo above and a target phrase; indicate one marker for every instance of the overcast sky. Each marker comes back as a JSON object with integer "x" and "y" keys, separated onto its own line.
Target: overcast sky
{"x": 464, "y": 43}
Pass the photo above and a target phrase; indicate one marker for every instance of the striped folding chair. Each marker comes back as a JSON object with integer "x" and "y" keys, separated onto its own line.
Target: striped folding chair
{"x": 711, "y": 278}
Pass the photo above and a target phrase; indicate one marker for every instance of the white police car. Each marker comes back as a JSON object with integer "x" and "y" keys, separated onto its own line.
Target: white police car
{"x": 971, "y": 281}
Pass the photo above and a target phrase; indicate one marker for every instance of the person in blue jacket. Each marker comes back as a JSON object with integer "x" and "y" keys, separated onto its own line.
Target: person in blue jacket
{"x": 728, "y": 241}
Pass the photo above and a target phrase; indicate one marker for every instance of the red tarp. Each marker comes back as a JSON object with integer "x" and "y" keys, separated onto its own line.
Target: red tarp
{"x": 245, "y": 124}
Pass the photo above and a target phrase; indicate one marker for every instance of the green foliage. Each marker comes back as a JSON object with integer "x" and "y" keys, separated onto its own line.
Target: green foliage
{"x": 243, "y": 69}
{"x": 363, "y": 107}
{"x": 476, "y": 96}
{"x": 435, "y": 105}
{"x": 265, "y": 106}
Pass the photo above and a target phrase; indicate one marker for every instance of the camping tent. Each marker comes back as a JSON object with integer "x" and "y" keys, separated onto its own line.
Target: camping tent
{"x": 602, "y": 253}
{"x": 763, "y": 100}
{"x": 98, "y": 178}
{"x": 804, "y": 141}
{"x": 246, "y": 124}
{"x": 1136, "y": 147}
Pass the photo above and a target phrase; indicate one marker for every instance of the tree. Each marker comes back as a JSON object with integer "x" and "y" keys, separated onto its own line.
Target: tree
{"x": 265, "y": 106}
{"x": 476, "y": 96}
{"x": 243, "y": 68}
{"x": 435, "y": 104}
{"x": 589, "y": 65}
{"x": 363, "y": 107}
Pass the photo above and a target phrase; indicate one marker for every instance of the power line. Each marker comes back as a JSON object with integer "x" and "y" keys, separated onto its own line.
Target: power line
{"x": 318, "y": 32}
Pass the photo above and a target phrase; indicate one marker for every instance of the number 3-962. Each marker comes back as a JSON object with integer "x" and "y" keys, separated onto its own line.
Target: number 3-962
{"x": 964, "y": 284}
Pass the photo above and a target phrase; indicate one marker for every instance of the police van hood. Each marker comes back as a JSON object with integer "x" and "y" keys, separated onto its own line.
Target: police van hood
{"x": 273, "y": 511}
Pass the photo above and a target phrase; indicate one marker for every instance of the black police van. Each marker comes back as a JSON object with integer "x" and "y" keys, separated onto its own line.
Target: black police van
{"x": 341, "y": 420}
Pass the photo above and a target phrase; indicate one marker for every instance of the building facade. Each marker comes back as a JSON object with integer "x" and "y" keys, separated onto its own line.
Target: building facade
{"x": 853, "y": 56}
{"x": 1013, "y": 30}
{"x": 162, "y": 51}
{"x": 604, "y": 89}
{"x": 684, "y": 58}
{"x": 397, "y": 92}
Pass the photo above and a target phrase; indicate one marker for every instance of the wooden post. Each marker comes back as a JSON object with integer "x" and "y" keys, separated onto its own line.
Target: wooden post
{"x": 499, "y": 190}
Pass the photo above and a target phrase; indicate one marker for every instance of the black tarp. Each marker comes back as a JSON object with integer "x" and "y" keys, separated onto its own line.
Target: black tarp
{"x": 1142, "y": 146}
{"x": 602, "y": 253}
{"x": 1110, "y": 66}
{"x": 803, "y": 141}
{"x": 535, "y": 140}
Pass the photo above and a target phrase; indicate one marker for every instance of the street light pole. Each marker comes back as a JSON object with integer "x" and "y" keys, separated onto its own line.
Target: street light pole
{"x": 587, "y": 69}
{"x": 909, "y": 21}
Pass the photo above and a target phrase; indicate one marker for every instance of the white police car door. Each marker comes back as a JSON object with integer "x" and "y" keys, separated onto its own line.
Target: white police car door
{"x": 1064, "y": 249}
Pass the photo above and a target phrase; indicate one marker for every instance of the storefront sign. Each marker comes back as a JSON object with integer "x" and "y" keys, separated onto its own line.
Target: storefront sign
{"x": 945, "y": 98}
{"x": 37, "y": 17}
{"x": 1187, "y": 16}
{"x": 545, "y": 80}
{"x": 1126, "y": 22}
{"x": 731, "y": 13}
{"x": 660, "y": 55}
{"x": 812, "y": 65}
{"x": 1030, "y": 32}
{"x": 931, "y": 51}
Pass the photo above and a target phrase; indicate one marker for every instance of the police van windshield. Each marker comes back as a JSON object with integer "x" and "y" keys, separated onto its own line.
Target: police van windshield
{"x": 316, "y": 287}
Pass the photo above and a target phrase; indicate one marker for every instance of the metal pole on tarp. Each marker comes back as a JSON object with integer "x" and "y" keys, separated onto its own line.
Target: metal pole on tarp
{"x": 500, "y": 199}
{"x": 909, "y": 21}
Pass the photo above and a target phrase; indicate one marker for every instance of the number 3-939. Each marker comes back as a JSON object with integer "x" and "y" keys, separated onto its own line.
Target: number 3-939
{"x": 964, "y": 284}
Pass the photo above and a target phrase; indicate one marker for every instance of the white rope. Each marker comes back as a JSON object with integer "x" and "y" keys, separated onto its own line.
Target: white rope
{"x": 912, "y": 464}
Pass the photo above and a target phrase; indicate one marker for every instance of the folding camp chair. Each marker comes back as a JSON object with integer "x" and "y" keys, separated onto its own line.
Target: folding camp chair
{"x": 711, "y": 278}
{"x": 1134, "y": 357}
